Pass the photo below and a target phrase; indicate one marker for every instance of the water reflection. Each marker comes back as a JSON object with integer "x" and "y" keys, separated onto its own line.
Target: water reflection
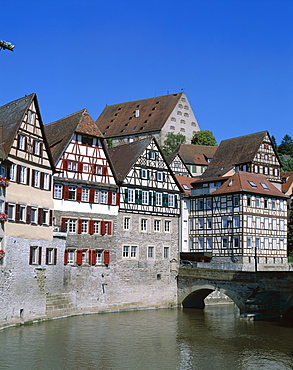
{"x": 157, "y": 339}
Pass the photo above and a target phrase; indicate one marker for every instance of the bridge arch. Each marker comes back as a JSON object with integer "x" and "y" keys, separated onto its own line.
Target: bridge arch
{"x": 194, "y": 297}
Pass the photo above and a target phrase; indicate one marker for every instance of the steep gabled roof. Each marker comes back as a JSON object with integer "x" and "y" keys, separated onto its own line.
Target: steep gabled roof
{"x": 185, "y": 183}
{"x": 234, "y": 151}
{"x": 60, "y": 133}
{"x": 11, "y": 116}
{"x": 249, "y": 182}
{"x": 140, "y": 116}
{"x": 196, "y": 154}
{"x": 123, "y": 157}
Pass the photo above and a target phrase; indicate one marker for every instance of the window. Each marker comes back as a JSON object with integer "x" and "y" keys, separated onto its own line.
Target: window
{"x": 114, "y": 196}
{"x": 172, "y": 127}
{"x": 251, "y": 183}
{"x": 265, "y": 203}
{"x": 266, "y": 223}
{"x": 151, "y": 252}
{"x": 84, "y": 226}
{"x": 143, "y": 224}
{"x": 182, "y": 121}
{"x": 46, "y": 181}
{"x": 236, "y": 242}
{"x": 274, "y": 243}
{"x": 51, "y": 254}
{"x": 257, "y": 243}
{"x": 200, "y": 204}
{"x": 266, "y": 243}
{"x": 133, "y": 252}
{"x": 200, "y": 223}
{"x": 282, "y": 225}
{"x": 160, "y": 176}
{"x": 71, "y": 225}
{"x": 98, "y": 170}
{"x": 35, "y": 257}
{"x": 264, "y": 185}
{"x": 84, "y": 257}
{"x": 85, "y": 195}
{"x": 248, "y": 201}
{"x": 236, "y": 200}
{"x": 11, "y": 212}
{"x": 21, "y": 142}
{"x": 97, "y": 196}
{"x": 104, "y": 197}
{"x": 71, "y": 256}
{"x": 157, "y": 225}
{"x": 274, "y": 224}
{"x": 22, "y": 175}
{"x": 236, "y": 221}
{"x": 209, "y": 223}
{"x": 31, "y": 117}
{"x": 159, "y": 199}
{"x": 71, "y": 192}
{"x": 22, "y": 213}
{"x": 182, "y": 129}
{"x": 257, "y": 202}
{"x": 209, "y": 203}
{"x": 126, "y": 223}
{"x": 282, "y": 205}
{"x": 126, "y": 251}
{"x": 200, "y": 243}
{"x": 99, "y": 257}
{"x": 249, "y": 242}
{"x": 249, "y": 221}
{"x": 166, "y": 253}
{"x": 225, "y": 243}
{"x": 167, "y": 227}
{"x": 13, "y": 172}
{"x": 209, "y": 243}
{"x": 224, "y": 222}
{"x": 282, "y": 244}
{"x": 33, "y": 215}
{"x": 72, "y": 166}
{"x": 131, "y": 195}
{"x": 36, "y": 179}
{"x": 171, "y": 200}
{"x": 179, "y": 113}
{"x": 145, "y": 197}
{"x": 274, "y": 204}
{"x": 152, "y": 155}
{"x": 143, "y": 173}
{"x": 257, "y": 222}
{"x": 129, "y": 251}
{"x": 36, "y": 147}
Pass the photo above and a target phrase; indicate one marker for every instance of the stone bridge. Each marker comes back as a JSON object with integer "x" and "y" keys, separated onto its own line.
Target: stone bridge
{"x": 261, "y": 295}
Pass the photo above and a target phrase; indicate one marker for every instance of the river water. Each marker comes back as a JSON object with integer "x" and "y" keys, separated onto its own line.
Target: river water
{"x": 215, "y": 338}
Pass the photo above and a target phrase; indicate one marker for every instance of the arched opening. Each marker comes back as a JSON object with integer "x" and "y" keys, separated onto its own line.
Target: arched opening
{"x": 196, "y": 298}
{"x": 288, "y": 315}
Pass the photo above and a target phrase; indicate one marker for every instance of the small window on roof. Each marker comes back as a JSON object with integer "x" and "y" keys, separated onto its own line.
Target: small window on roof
{"x": 112, "y": 120}
{"x": 264, "y": 185}
{"x": 119, "y": 108}
{"x": 150, "y": 114}
{"x": 251, "y": 183}
{"x": 231, "y": 183}
{"x": 154, "y": 108}
{"x": 142, "y": 127}
{"x": 126, "y": 124}
{"x": 134, "y": 128}
{"x": 138, "y": 105}
{"x": 146, "y": 121}
{"x": 122, "y": 130}
{"x": 185, "y": 187}
{"x": 108, "y": 126}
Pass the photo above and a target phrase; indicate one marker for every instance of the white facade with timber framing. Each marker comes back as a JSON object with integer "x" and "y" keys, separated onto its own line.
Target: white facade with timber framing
{"x": 86, "y": 197}
{"x": 239, "y": 219}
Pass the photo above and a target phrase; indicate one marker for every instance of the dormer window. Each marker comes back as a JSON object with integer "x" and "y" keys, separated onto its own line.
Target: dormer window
{"x": 251, "y": 183}
{"x": 264, "y": 186}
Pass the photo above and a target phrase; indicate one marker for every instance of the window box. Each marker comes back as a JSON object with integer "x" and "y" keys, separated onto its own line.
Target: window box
{"x": 2, "y": 254}
{"x": 3, "y": 217}
{"x": 4, "y": 182}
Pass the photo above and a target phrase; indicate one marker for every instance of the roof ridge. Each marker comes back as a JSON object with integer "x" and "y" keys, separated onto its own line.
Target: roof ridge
{"x": 82, "y": 111}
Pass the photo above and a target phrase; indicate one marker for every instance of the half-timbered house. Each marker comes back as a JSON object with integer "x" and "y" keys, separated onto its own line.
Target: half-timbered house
{"x": 86, "y": 197}
{"x": 153, "y": 117}
{"x": 250, "y": 153}
{"x": 148, "y": 219}
{"x": 239, "y": 219}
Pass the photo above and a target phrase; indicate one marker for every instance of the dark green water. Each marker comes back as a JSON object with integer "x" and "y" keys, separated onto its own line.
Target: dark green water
{"x": 155, "y": 339}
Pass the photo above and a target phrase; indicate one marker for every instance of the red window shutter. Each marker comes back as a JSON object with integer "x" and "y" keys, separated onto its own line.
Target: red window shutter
{"x": 78, "y": 193}
{"x": 109, "y": 197}
{"x": 50, "y": 182}
{"x": 18, "y": 141}
{"x": 40, "y": 216}
{"x": 79, "y": 166}
{"x": 31, "y": 255}
{"x": 55, "y": 256}
{"x": 103, "y": 228}
{"x": 65, "y": 192}
{"x": 106, "y": 257}
{"x": 63, "y": 224}
{"x": 66, "y": 257}
{"x": 42, "y": 180}
{"x": 79, "y": 227}
{"x": 6, "y": 208}
{"x": 33, "y": 177}
{"x": 117, "y": 199}
{"x": 79, "y": 257}
{"x": 94, "y": 257}
{"x": 51, "y": 218}
{"x": 18, "y": 169}
{"x": 41, "y": 149}
{"x": 25, "y": 143}
{"x": 8, "y": 172}
{"x": 40, "y": 256}
{"x": 27, "y": 176}
{"x": 92, "y": 195}
{"x": 104, "y": 170}
{"x": 109, "y": 227}
{"x": 89, "y": 257}
{"x": 28, "y": 214}
{"x": 65, "y": 164}
{"x": 17, "y": 212}
{"x": 91, "y": 227}
{"x": 47, "y": 256}
{"x": 34, "y": 146}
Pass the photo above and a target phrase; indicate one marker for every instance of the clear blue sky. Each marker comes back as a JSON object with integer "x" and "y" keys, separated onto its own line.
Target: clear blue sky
{"x": 233, "y": 58}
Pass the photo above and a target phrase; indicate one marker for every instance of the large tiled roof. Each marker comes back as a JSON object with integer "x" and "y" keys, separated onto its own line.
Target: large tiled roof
{"x": 185, "y": 183}
{"x": 121, "y": 119}
{"x": 59, "y": 133}
{"x": 193, "y": 154}
{"x": 11, "y": 116}
{"x": 123, "y": 157}
{"x": 249, "y": 182}
{"x": 234, "y": 151}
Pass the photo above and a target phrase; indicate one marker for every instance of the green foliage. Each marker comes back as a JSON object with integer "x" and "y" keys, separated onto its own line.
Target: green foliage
{"x": 204, "y": 137}
{"x": 286, "y": 164}
{"x": 110, "y": 143}
{"x": 274, "y": 142}
{"x": 290, "y": 257}
{"x": 286, "y": 146}
{"x": 172, "y": 142}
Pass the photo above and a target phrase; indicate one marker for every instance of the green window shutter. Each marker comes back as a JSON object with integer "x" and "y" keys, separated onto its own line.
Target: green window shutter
{"x": 148, "y": 174}
{"x": 136, "y": 197}
{"x": 154, "y": 198}
{"x": 126, "y": 196}
{"x": 140, "y": 197}
{"x": 150, "y": 197}
{"x": 176, "y": 201}
{"x": 165, "y": 200}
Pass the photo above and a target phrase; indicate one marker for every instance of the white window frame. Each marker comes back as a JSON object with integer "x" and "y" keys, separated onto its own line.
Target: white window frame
{"x": 145, "y": 197}
{"x": 143, "y": 174}
{"x": 46, "y": 181}
{"x": 34, "y": 218}
{"x": 71, "y": 225}
{"x": 131, "y": 195}
{"x": 167, "y": 226}
{"x": 71, "y": 192}
{"x": 157, "y": 226}
{"x": 209, "y": 243}
{"x": 84, "y": 226}
{"x": 151, "y": 252}
{"x": 85, "y": 192}
{"x": 171, "y": 200}
{"x": 11, "y": 211}
{"x": 166, "y": 253}
{"x": 37, "y": 147}
{"x": 103, "y": 197}
{"x": 160, "y": 176}
{"x": 21, "y": 142}
{"x": 126, "y": 223}
{"x": 143, "y": 224}
{"x": 22, "y": 179}
{"x": 200, "y": 243}
{"x": 97, "y": 226}
{"x": 159, "y": 199}
{"x": 71, "y": 256}
{"x": 249, "y": 242}
{"x": 37, "y": 179}
{"x": 58, "y": 189}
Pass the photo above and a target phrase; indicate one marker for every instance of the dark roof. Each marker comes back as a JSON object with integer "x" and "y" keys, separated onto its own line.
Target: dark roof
{"x": 123, "y": 157}
{"x": 60, "y": 133}
{"x": 249, "y": 182}
{"x": 193, "y": 154}
{"x": 11, "y": 116}
{"x": 234, "y": 151}
{"x": 121, "y": 120}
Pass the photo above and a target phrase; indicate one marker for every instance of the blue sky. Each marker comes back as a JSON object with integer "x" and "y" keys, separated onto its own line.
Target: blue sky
{"x": 233, "y": 58}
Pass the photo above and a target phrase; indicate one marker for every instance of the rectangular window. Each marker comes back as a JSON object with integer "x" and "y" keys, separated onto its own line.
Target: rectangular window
{"x": 22, "y": 213}
{"x": 71, "y": 256}
{"x": 99, "y": 257}
{"x": 97, "y": 196}
{"x": 46, "y": 181}
{"x": 11, "y": 212}
{"x": 166, "y": 253}
{"x": 133, "y": 253}
{"x": 58, "y": 191}
{"x": 236, "y": 200}
{"x": 236, "y": 242}
{"x": 151, "y": 252}
{"x": 274, "y": 204}
{"x": 71, "y": 192}
{"x": 21, "y": 142}
{"x": 84, "y": 226}
{"x": 114, "y": 196}
{"x": 209, "y": 243}
{"x": 274, "y": 224}
{"x": 145, "y": 197}
{"x": 236, "y": 221}
{"x": 131, "y": 195}
{"x": 96, "y": 227}
{"x": 143, "y": 173}
{"x": 159, "y": 199}
{"x": 266, "y": 240}
{"x": 225, "y": 243}
{"x": 224, "y": 222}
{"x": 160, "y": 176}
{"x": 36, "y": 179}
{"x": 248, "y": 201}
{"x": 71, "y": 225}
{"x": 85, "y": 194}
{"x": 209, "y": 203}
{"x": 257, "y": 222}
{"x": 282, "y": 244}
{"x": 167, "y": 227}
{"x": 126, "y": 223}
{"x": 257, "y": 202}
{"x": 152, "y": 155}
{"x": 170, "y": 200}
{"x": 33, "y": 215}
{"x": 266, "y": 223}
{"x": 249, "y": 221}
{"x": 13, "y": 172}
{"x": 200, "y": 204}
{"x": 126, "y": 251}
{"x": 22, "y": 178}
{"x": 200, "y": 243}
{"x": 35, "y": 255}
{"x": 143, "y": 224}
{"x": 200, "y": 223}
{"x": 282, "y": 205}
{"x": 249, "y": 242}
{"x": 36, "y": 147}
{"x": 84, "y": 257}
{"x": 104, "y": 197}
{"x": 282, "y": 225}
{"x": 274, "y": 243}
{"x": 51, "y": 256}
{"x": 157, "y": 225}
{"x": 209, "y": 223}
{"x": 257, "y": 243}
{"x": 72, "y": 166}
